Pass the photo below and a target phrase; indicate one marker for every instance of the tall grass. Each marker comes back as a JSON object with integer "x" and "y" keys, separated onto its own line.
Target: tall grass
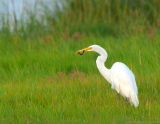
{"x": 124, "y": 16}
{"x": 39, "y": 55}
{"x": 42, "y": 80}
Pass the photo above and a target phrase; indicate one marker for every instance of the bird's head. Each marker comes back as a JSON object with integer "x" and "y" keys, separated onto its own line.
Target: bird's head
{"x": 95, "y": 48}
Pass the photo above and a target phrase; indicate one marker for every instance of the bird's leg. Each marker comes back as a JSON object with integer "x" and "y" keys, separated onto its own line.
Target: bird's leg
{"x": 118, "y": 98}
{"x": 127, "y": 100}
{"x": 118, "y": 94}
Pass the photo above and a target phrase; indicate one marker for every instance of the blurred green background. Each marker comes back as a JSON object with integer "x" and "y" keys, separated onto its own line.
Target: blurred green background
{"x": 42, "y": 80}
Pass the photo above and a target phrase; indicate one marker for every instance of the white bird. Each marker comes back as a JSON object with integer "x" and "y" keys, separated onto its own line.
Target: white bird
{"x": 119, "y": 76}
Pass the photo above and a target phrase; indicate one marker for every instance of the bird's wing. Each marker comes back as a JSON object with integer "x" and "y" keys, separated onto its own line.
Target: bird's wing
{"x": 121, "y": 75}
{"x": 133, "y": 81}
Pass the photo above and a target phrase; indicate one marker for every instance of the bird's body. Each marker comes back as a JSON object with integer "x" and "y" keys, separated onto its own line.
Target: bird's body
{"x": 119, "y": 76}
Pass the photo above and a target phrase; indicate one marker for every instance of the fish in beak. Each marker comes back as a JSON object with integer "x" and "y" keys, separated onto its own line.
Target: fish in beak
{"x": 82, "y": 51}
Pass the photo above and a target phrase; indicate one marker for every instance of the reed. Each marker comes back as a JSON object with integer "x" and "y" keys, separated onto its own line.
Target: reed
{"x": 124, "y": 16}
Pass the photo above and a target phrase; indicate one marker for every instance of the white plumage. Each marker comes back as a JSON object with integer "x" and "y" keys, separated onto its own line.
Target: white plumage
{"x": 119, "y": 76}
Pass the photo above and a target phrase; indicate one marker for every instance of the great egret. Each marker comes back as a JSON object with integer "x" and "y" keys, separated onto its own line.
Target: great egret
{"x": 119, "y": 76}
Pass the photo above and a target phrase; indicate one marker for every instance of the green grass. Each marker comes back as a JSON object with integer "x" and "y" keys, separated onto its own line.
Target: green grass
{"x": 44, "y": 81}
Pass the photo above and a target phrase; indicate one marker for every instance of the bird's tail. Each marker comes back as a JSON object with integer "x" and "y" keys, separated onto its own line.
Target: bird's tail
{"x": 134, "y": 100}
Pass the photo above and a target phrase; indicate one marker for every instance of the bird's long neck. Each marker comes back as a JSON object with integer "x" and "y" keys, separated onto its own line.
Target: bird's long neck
{"x": 101, "y": 65}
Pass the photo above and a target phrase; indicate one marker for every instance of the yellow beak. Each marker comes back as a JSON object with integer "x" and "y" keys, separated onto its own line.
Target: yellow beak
{"x": 80, "y": 52}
